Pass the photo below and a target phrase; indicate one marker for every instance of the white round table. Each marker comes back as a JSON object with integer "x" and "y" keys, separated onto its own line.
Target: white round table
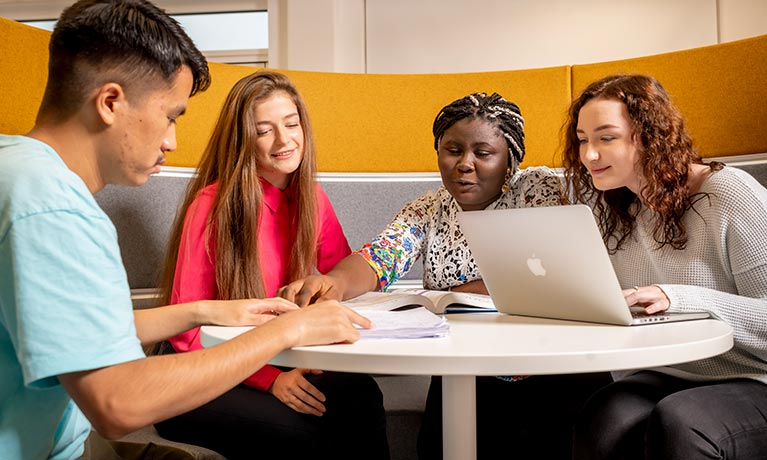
{"x": 497, "y": 344}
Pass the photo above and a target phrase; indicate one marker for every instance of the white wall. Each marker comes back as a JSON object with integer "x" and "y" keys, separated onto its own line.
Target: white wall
{"x": 435, "y": 36}
{"x": 441, "y": 36}
{"x": 324, "y": 35}
{"x": 741, "y": 19}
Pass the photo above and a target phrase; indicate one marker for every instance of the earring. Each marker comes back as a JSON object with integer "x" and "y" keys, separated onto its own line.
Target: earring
{"x": 506, "y": 180}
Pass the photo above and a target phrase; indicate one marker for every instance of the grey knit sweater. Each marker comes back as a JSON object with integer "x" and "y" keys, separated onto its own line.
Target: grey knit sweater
{"x": 723, "y": 270}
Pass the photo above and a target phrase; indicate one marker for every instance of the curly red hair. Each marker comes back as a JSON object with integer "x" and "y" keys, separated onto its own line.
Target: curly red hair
{"x": 665, "y": 157}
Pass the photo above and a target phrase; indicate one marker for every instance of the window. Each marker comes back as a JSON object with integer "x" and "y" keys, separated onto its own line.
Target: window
{"x": 246, "y": 40}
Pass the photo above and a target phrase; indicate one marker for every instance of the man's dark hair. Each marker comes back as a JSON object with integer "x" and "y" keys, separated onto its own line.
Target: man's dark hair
{"x": 130, "y": 42}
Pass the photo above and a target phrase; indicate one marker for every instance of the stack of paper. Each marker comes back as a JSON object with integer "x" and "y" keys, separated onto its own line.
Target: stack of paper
{"x": 397, "y": 316}
{"x": 413, "y": 323}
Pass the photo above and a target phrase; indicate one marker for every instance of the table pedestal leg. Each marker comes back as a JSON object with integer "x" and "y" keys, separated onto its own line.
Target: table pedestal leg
{"x": 459, "y": 417}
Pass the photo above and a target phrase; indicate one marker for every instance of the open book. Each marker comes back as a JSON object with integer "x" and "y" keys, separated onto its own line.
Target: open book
{"x": 436, "y": 301}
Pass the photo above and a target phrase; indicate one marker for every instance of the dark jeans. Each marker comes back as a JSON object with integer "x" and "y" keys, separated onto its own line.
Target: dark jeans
{"x": 527, "y": 419}
{"x": 655, "y": 416}
{"x": 245, "y": 423}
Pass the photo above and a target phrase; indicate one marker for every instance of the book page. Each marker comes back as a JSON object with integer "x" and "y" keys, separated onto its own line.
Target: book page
{"x": 454, "y": 302}
{"x": 385, "y": 300}
{"x": 457, "y": 302}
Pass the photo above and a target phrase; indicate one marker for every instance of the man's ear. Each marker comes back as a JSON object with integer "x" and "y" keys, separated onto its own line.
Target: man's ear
{"x": 110, "y": 99}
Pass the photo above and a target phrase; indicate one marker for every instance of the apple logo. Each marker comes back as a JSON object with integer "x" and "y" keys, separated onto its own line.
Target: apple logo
{"x": 536, "y": 266}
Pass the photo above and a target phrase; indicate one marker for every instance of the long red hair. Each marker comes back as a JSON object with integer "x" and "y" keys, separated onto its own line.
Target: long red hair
{"x": 229, "y": 158}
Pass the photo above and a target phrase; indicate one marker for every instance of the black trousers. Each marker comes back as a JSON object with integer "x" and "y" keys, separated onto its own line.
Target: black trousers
{"x": 650, "y": 415}
{"x": 526, "y": 419}
{"x": 246, "y": 423}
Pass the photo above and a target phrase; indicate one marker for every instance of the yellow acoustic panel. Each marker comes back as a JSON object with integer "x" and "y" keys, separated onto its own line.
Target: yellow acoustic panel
{"x": 374, "y": 122}
{"x": 23, "y": 73}
{"x": 195, "y": 127}
{"x": 720, "y": 89}
{"x": 382, "y": 123}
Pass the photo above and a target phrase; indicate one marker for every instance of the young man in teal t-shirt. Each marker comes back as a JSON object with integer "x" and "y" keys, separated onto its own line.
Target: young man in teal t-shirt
{"x": 120, "y": 74}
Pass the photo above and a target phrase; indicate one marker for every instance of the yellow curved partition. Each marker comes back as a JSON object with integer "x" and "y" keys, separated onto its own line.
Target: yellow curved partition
{"x": 382, "y": 123}
{"x": 23, "y": 73}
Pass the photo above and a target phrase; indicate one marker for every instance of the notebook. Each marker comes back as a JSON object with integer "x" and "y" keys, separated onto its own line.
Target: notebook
{"x": 550, "y": 262}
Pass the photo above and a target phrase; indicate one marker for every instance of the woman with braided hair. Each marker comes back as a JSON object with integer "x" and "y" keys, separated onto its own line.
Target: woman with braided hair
{"x": 480, "y": 143}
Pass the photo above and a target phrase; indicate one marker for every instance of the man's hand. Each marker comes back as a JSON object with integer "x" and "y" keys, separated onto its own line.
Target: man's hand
{"x": 299, "y": 394}
{"x": 246, "y": 312}
{"x": 313, "y": 288}
{"x": 160, "y": 323}
{"x": 321, "y": 324}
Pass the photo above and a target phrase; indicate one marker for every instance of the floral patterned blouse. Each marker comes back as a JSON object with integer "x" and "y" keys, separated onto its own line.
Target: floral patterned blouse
{"x": 427, "y": 227}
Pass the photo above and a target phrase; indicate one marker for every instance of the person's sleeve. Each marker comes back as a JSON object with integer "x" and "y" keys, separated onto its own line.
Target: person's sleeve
{"x": 332, "y": 245}
{"x": 393, "y": 252}
{"x": 744, "y": 250}
{"x": 73, "y": 307}
{"x": 543, "y": 187}
{"x": 195, "y": 279}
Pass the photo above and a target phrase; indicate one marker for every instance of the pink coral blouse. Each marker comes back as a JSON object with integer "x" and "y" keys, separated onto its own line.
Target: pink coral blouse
{"x": 195, "y": 270}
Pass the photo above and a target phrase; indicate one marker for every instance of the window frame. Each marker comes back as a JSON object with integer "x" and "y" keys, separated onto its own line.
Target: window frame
{"x": 38, "y": 10}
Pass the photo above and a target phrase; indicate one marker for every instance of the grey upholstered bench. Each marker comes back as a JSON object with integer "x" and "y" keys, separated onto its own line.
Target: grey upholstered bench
{"x": 364, "y": 203}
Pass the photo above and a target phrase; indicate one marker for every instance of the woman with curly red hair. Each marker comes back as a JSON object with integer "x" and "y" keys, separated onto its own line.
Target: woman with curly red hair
{"x": 687, "y": 235}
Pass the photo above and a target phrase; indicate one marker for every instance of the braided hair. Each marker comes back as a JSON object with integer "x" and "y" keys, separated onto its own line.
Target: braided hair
{"x": 494, "y": 109}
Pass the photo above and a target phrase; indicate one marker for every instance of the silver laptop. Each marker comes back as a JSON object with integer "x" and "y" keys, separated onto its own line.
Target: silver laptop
{"x": 550, "y": 262}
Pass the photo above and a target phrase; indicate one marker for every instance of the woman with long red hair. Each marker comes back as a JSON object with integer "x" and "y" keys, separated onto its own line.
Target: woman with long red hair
{"x": 253, "y": 220}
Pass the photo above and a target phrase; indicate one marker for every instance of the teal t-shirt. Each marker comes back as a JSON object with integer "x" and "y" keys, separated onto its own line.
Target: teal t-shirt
{"x": 64, "y": 300}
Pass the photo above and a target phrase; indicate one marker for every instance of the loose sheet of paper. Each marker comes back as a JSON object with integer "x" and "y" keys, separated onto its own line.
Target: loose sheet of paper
{"x": 412, "y": 323}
